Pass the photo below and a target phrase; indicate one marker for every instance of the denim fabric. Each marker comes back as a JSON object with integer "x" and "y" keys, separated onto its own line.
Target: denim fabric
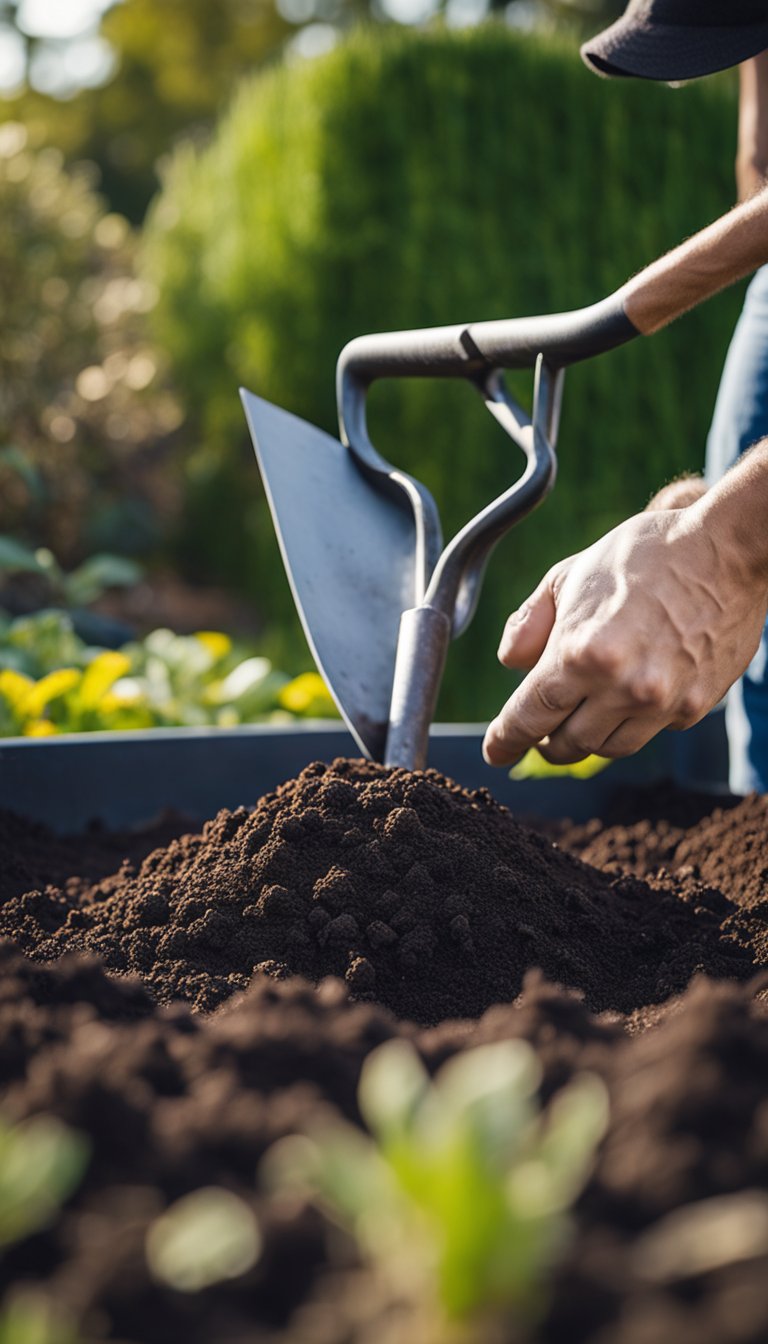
{"x": 740, "y": 419}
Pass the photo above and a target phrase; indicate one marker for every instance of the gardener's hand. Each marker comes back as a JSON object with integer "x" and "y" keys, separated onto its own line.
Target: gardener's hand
{"x": 646, "y": 629}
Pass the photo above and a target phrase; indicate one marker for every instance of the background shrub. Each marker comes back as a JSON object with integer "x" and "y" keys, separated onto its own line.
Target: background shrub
{"x": 83, "y": 411}
{"x": 409, "y": 180}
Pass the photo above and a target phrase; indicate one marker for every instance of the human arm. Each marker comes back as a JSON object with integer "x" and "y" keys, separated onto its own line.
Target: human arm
{"x": 752, "y": 151}
{"x": 645, "y": 630}
{"x": 719, "y": 255}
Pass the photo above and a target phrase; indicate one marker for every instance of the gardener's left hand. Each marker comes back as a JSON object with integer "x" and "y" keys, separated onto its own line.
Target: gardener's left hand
{"x": 644, "y": 630}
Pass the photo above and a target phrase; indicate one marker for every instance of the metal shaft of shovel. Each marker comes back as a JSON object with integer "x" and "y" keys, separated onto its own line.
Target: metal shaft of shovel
{"x": 426, "y": 630}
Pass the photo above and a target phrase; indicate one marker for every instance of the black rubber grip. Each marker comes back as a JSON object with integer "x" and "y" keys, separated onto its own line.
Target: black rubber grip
{"x": 514, "y": 343}
{"x": 563, "y": 338}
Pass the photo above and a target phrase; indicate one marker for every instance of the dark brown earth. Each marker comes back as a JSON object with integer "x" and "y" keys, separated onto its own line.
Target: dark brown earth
{"x": 723, "y": 848}
{"x": 430, "y": 900}
{"x": 172, "y": 1098}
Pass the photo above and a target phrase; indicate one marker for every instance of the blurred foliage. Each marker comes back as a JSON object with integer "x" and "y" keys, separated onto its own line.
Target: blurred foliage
{"x": 80, "y": 586}
{"x": 419, "y": 180}
{"x": 51, "y": 681}
{"x": 581, "y": 17}
{"x": 83, "y": 409}
{"x": 175, "y": 65}
{"x": 41, "y": 1162}
{"x": 27, "y": 1316}
{"x": 203, "y": 1238}
{"x": 461, "y": 1196}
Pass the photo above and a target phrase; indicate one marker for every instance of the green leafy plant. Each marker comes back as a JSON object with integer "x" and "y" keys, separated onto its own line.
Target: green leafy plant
{"x": 40, "y": 643}
{"x": 203, "y": 1238}
{"x": 52, "y": 682}
{"x": 77, "y": 588}
{"x": 461, "y": 1194}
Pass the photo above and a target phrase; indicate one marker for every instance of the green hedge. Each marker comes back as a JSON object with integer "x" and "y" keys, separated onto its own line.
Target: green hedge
{"x": 411, "y": 179}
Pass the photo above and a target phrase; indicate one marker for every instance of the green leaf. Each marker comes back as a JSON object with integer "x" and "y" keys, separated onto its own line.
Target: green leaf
{"x": 204, "y": 1238}
{"x": 28, "y": 1317}
{"x": 87, "y": 583}
{"x": 41, "y": 1162}
{"x": 15, "y": 558}
{"x": 393, "y": 1083}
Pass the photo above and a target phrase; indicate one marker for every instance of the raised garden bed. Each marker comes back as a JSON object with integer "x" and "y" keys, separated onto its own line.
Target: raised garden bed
{"x": 186, "y": 1001}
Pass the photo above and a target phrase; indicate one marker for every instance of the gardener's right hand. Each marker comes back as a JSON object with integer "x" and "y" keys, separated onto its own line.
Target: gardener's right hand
{"x": 646, "y": 629}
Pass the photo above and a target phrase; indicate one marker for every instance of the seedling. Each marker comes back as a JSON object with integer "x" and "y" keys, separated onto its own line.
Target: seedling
{"x": 202, "y": 1239}
{"x": 41, "y": 1162}
{"x": 461, "y": 1194}
{"x": 28, "y": 1317}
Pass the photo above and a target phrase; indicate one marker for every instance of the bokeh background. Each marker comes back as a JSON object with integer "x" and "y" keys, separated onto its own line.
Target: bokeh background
{"x": 197, "y": 194}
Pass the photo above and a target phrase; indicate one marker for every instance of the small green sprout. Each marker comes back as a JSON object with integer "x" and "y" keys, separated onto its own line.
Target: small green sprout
{"x": 705, "y": 1236}
{"x": 28, "y": 1317}
{"x": 41, "y": 1162}
{"x": 202, "y": 1239}
{"x": 461, "y": 1196}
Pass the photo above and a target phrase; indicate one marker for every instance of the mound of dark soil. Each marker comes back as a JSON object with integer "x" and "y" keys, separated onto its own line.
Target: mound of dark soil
{"x": 719, "y": 844}
{"x": 431, "y": 900}
{"x": 173, "y": 1100}
{"x": 723, "y": 849}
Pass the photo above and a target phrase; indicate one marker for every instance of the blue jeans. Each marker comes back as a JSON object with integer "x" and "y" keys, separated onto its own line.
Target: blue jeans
{"x": 740, "y": 419}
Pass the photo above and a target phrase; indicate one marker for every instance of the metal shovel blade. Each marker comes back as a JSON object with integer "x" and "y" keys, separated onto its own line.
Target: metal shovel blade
{"x": 349, "y": 551}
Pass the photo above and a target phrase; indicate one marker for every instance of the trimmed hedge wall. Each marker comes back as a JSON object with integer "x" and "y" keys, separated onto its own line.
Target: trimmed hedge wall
{"x": 415, "y": 179}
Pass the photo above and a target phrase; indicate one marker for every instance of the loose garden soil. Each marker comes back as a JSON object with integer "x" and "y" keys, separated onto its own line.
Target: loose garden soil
{"x": 184, "y": 1005}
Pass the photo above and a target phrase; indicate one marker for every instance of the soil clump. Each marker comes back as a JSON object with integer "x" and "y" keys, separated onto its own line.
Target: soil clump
{"x": 425, "y": 898}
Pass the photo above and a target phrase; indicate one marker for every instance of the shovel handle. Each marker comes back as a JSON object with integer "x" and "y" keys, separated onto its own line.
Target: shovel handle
{"x": 718, "y": 255}
{"x": 469, "y": 350}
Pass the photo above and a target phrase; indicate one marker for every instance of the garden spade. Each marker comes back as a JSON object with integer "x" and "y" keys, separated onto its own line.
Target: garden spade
{"x": 379, "y": 597}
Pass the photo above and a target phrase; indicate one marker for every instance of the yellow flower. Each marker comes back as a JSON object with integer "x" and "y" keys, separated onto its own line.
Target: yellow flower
{"x": 307, "y": 694}
{"x": 49, "y": 688}
{"x": 40, "y": 728}
{"x": 217, "y": 644}
{"x": 100, "y": 676}
{"x": 15, "y": 687}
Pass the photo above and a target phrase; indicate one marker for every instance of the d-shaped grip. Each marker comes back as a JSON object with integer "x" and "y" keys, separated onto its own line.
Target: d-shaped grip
{"x": 472, "y": 349}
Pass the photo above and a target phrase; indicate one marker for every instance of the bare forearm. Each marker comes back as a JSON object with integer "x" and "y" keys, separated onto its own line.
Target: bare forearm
{"x": 735, "y": 512}
{"x": 732, "y": 247}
